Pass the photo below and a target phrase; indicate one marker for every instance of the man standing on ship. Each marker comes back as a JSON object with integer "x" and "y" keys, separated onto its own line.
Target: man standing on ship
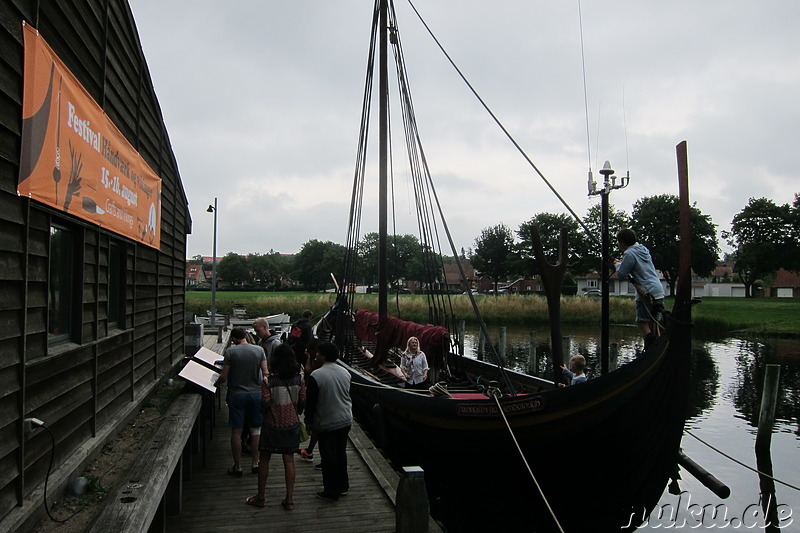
{"x": 637, "y": 264}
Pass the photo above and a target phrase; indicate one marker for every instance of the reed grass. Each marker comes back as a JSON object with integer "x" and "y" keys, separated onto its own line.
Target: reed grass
{"x": 719, "y": 316}
{"x": 500, "y": 310}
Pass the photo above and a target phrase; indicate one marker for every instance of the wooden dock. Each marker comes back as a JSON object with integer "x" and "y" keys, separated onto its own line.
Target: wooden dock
{"x": 213, "y": 501}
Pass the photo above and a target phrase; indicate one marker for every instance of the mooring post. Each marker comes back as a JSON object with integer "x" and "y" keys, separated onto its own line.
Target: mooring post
{"x": 766, "y": 421}
{"x": 502, "y": 350}
{"x": 613, "y": 355}
{"x": 766, "y": 415}
{"x": 533, "y": 362}
{"x": 411, "y": 507}
{"x": 462, "y": 328}
{"x": 566, "y": 346}
{"x": 481, "y": 342}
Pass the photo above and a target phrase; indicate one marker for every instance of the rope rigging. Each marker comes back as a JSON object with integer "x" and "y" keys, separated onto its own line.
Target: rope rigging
{"x": 427, "y": 207}
{"x": 759, "y": 472}
{"x": 500, "y": 124}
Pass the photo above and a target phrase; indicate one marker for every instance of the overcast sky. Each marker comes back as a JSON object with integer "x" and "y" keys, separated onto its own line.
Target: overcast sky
{"x": 262, "y": 98}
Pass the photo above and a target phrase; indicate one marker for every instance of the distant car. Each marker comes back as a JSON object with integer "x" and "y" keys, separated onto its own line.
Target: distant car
{"x": 499, "y": 291}
{"x": 594, "y": 293}
{"x": 404, "y": 290}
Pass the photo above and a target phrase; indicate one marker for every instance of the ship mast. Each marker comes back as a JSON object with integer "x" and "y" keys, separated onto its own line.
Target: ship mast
{"x": 383, "y": 160}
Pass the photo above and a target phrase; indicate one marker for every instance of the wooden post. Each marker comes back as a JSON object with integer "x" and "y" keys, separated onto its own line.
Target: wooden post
{"x": 502, "y": 347}
{"x": 481, "y": 345}
{"x": 462, "y": 328}
{"x": 766, "y": 416}
{"x": 614, "y": 356}
{"x": 766, "y": 421}
{"x": 411, "y": 507}
{"x": 533, "y": 361}
{"x": 565, "y": 348}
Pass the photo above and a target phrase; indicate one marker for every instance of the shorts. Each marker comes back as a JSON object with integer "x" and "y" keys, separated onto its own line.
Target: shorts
{"x": 245, "y": 408}
{"x": 644, "y": 314}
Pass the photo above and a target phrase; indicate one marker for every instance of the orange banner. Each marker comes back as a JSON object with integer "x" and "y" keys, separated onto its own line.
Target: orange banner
{"x": 75, "y": 159}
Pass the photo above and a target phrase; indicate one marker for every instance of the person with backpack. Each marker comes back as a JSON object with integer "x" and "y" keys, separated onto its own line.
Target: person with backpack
{"x": 299, "y": 335}
{"x": 266, "y": 338}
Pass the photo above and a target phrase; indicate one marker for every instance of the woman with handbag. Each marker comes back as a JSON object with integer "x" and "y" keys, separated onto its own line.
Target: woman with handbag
{"x": 283, "y": 398}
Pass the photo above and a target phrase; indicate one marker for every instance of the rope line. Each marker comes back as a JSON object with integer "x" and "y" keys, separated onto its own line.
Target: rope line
{"x": 760, "y": 473}
{"x": 495, "y": 393}
{"x": 500, "y": 124}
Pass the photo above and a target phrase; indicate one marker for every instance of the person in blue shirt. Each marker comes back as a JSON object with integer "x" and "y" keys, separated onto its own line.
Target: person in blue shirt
{"x": 637, "y": 264}
{"x": 575, "y": 375}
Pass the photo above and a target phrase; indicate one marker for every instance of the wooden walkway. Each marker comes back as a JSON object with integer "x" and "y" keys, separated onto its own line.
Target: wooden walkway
{"x": 215, "y": 502}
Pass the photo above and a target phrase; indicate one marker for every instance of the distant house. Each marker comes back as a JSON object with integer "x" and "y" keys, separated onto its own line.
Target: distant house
{"x": 516, "y": 286}
{"x": 787, "y": 284}
{"x": 453, "y": 276}
{"x": 195, "y": 275}
{"x": 719, "y": 283}
{"x": 590, "y": 283}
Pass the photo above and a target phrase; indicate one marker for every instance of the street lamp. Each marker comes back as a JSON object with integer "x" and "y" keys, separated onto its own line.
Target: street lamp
{"x": 213, "y": 209}
{"x": 609, "y": 184}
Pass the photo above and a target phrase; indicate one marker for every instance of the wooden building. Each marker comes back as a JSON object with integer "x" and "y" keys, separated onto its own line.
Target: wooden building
{"x": 91, "y": 318}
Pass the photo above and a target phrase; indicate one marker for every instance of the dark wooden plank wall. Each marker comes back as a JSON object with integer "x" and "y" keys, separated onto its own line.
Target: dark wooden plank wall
{"x": 78, "y": 387}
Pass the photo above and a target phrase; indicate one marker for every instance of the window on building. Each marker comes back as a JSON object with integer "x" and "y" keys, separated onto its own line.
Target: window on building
{"x": 116, "y": 286}
{"x": 61, "y": 284}
{"x": 592, "y": 283}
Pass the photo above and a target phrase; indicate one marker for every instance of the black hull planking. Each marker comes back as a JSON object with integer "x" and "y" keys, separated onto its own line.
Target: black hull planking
{"x": 611, "y": 442}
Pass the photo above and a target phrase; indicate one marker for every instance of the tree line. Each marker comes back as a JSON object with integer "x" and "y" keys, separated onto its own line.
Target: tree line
{"x": 765, "y": 236}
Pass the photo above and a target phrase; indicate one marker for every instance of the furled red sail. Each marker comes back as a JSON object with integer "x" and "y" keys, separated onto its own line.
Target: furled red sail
{"x": 433, "y": 340}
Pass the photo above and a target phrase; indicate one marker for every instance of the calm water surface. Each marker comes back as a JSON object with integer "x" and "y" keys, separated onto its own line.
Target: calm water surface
{"x": 727, "y": 380}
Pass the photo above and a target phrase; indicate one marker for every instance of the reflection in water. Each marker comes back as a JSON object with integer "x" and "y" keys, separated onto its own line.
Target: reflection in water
{"x": 752, "y": 359}
{"x": 704, "y": 382}
{"x": 726, "y": 384}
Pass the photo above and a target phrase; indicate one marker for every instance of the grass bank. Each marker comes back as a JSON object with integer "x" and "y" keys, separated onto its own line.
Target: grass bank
{"x": 757, "y": 316}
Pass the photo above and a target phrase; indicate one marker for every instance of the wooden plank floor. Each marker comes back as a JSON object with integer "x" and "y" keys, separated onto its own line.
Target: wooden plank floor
{"x": 215, "y": 501}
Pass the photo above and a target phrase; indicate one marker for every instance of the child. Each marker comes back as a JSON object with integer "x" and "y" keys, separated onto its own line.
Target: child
{"x": 577, "y": 363}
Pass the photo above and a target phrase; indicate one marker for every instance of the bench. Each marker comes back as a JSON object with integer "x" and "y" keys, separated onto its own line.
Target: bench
{"x": 153, "y": 486}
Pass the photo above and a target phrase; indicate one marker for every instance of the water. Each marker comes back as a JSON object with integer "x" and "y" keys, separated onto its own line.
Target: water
{"x": 727, "y": 380}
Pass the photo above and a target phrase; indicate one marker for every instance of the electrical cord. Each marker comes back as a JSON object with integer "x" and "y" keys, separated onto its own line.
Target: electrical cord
{"x": 47, "y": 477}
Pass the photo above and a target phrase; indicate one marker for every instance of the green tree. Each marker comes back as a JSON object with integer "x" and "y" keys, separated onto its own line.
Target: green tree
{"x": 233, "y": 269}
{"x": 284, "y": 265}
{"x": 367, "y": 268}
{"x": 264, "y": 269}
{"x": 761, "y": 234}
{"x": 406, "y": 259}
{"x": 793, "y": 255}
{"x": 656, "y": 222}
{"x": 494, "y": 254}
{"x": 315, "y": 262}
{"x": 549, "y": 225}
{"x": 591, "y": 255}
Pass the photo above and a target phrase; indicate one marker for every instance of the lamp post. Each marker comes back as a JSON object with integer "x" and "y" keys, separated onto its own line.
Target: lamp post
{"x": 213, "y": 209}
{"x": 609, "y": 184}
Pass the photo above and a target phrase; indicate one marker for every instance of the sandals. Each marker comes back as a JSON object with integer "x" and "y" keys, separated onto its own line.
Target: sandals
{"x": 233, "y": 472}
{"x": 255, "y": 502}
{"x": 287, "y": 505}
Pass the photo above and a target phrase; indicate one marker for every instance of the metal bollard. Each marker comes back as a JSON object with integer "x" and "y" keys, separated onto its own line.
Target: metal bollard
{"x": 411, "y": 507}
